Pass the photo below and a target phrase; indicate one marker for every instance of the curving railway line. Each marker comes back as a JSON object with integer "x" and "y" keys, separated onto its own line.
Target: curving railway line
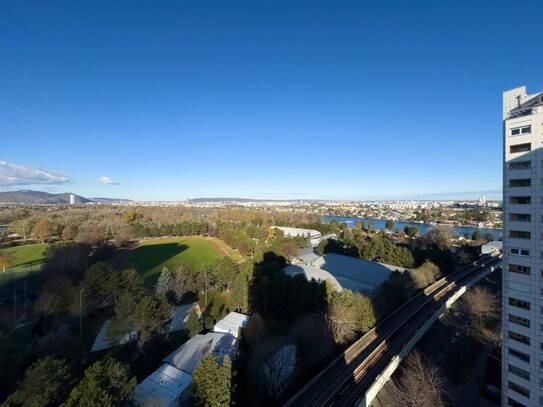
{"x": 347, "y": 379}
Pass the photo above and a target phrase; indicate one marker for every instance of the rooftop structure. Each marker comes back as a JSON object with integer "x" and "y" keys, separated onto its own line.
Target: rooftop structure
{"x": 188, "y": 355}
{"x": 232, "y": 323}
{"x": 495, "y": 245}
{"x": 313, "y": 235}
{"x": 345, "y": 272}
{"x": 166, "y": 387}
{"x": 294, "y": 232}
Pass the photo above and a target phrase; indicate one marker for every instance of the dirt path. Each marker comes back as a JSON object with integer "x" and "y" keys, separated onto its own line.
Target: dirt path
{"x": 218, "y": 247}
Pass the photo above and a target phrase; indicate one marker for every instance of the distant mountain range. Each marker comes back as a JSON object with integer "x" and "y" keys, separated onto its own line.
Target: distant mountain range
{"x": 27, "y": 197}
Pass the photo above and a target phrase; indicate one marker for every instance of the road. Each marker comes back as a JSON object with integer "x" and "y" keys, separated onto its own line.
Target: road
{"x": 347, "y": 379}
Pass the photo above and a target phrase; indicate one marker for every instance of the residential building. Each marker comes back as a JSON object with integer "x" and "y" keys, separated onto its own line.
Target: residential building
{"x": 522, "y": 312}
{"x": 232, "y": 324}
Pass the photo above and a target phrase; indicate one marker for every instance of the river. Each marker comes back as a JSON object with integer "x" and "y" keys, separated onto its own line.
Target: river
{"x": 422, "y": 227}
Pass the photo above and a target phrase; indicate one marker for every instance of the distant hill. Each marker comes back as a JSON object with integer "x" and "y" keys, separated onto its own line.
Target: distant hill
{"x": 27, "y": 197}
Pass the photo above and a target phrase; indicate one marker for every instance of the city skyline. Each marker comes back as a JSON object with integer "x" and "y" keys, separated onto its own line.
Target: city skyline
{"x": 258, "y": 101}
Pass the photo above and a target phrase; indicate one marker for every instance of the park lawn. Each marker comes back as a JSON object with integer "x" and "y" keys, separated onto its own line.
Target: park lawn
{"x": 25, "y": 257}
{"x": 152, "y": 255}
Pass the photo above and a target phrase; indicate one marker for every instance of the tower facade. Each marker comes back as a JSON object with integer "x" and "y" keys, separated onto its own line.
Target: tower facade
{"x": 522, "y": 288}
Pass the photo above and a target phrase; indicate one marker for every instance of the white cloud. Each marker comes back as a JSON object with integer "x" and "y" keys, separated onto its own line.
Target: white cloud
{"x": 108, "y": 181}
{"x": 20, "y": 175}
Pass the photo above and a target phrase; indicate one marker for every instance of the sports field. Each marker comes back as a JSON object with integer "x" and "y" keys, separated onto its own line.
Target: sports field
{"x": 23, "y": 260}
{"x": 150, "y": 256}
{"x": 24, "y": 257}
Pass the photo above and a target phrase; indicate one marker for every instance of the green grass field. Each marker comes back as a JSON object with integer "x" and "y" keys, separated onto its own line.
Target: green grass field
{"x": 25, "y": 260}
{"x": 152, "y": 255}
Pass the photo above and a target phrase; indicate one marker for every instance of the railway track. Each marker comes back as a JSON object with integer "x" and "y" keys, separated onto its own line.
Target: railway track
{"x": 345, "y": 381}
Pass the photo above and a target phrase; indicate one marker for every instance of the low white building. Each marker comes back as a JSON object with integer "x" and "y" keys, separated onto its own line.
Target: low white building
{"x": 166, "y": 387}
{"x": 490, "y": 247}
{"x": 188, "y": 356}
{"x": 313, "y": 235}
{"x": 231, "y": 324}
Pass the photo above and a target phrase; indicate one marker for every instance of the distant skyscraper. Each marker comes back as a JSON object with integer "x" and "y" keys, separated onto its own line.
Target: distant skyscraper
{"x": 522, "y": 312}
{"x": 73, "y": 199}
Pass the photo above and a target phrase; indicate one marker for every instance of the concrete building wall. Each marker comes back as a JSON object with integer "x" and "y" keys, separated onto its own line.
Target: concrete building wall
{"x": 522, "y": 333}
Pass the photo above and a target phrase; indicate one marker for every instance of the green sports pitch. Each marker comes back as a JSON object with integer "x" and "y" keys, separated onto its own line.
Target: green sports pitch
{"x": 150, "y": 256}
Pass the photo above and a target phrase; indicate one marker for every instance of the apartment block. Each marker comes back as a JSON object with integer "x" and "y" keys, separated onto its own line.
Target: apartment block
{"x": 522, "y": 301}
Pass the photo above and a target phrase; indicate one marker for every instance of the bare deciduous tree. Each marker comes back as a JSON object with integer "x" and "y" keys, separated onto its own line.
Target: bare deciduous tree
{"x": 342, "y": 322}
{"x": 420, "y": 384}
{"x": 478, "y": 305}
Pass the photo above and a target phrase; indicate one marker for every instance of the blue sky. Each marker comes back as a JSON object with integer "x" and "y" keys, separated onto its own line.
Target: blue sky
{"x": 278, "y": 99}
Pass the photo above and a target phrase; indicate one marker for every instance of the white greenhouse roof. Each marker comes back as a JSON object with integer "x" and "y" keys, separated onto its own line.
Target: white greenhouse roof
{"x": 163, "y": 388}
{"x": 231, "y": 323}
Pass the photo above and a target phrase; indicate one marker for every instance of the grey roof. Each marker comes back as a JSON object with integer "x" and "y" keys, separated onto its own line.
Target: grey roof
{"x": 307, "y": 255}
{"x": 179, "y": 317}
{"x": 188, "y": 355}
{"x": 346, "y": 272}
{"x": 163, "y": 388}
{"x": 231, "y": 323}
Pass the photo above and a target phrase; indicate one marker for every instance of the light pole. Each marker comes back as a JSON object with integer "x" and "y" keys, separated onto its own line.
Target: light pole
{"x": 80, "y": 311}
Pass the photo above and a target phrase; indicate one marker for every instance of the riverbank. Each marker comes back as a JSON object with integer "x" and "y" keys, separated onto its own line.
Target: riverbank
{"x": 379, "y": 224}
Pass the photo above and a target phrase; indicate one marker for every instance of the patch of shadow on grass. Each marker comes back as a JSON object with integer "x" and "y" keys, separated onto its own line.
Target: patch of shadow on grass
{"x": 146, "y": 258}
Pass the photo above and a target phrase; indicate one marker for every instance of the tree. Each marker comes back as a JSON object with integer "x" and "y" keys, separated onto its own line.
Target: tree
{"x": 66, "y": 258}
{"x": 360, "y": 225}
{"x": 183, "y": 281}
{"x": 488, "y": 237}
{"x": 476, "y": 235}
{"x": 211, "y": 382}
{"x": 164, "y": 283}
{"x": 124, "y": 234}
{"x": 312, "y": 338}
{"x": 131, "y": 217}
{"x": 123, "y": 320}
{"x": 478, "y": 305}
{"x": 43, "y": 230}
{"x": 148, "y": 316}
{"x": 363, "y": 308}
{"x": 106, "y": 383}
{"x": 341, "y": 317}
{"x": 14, "y": 351}
{"x": 226, "y": 272}
{"x": 6, "y": 260}
{"x": 240, "y": 292}
{"x": 420, "y": 384}
{"x": 255, "y": 329}
{"x": 371, "y": 227}
{"x": 425, "y": 274}
{"x": 194, "y": 325}
{"x": 438, "y": 238}
{"x": 46, "y": 383}
{"x": 99, "y": 285}
{"x": 56, "y": 296}
{"x": 69, "y": 232}
{"x": 410, "y": 230}
{"x": 389, "y": 224}
{"x": 151, "y": 318}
